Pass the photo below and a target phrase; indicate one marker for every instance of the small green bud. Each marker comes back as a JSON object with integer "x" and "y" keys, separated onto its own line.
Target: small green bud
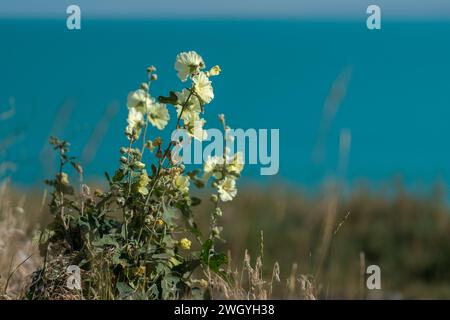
{"x": 138, "y": 165}
{"x": 214, "y": 198}
{"x": 149, "y": 145}
{"x": 216, "y": 231}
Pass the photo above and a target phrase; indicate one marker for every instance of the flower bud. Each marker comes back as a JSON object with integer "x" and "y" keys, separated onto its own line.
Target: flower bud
{"x": 85, "y": 190}
{"x": 123, "y": 150}
{"x": 203, "y": 283}
{"x": 123, "y": 160}
{"x": 214, "y": 198}
{"x": 215, "y": 71}
{"x": 98, "y": 192}
{"x": 151, "y": 69}
{"x": 216, "y": 231}
{"x": 154, "y": 77}
{"x": 63, "y": 178}
{"x": 140, "y": 271}
{"x": 149, "y": 145}
{"x": 144, "y": 86}
{"x": 148, "y": 220}
{"x": 157, "y": 142}
{"x": 138, "y": 165}
{"x": 218, "y": 212}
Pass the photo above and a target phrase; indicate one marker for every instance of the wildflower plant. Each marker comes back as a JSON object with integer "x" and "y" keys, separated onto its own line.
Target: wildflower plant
{"x": 139, "y": 239}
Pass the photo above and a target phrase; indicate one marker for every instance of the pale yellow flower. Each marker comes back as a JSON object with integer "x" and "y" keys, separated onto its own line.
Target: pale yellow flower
{"x": 192, "y": 104}
{"x": 235, "y": 163}
{"x": 135, "y": 123}
{"x": 138, "y": 100}
{"x": 63, "y": 178}
{"x": 215, "y": 71}
{"x": 140, "y": 271}
{"x": 210, "y": 164}
{"x": 212, "y": 167}
{"x": 203, "y": 87}
{"x": 158, "y": 115}
{"x": 185, "y": 244}
{"x": 188, "y": 63}
{"x": 143, "y": 182}
{"x": 227, "y": 189}
{"x": 194, "y": 125}
{"x": 182, "y": 183}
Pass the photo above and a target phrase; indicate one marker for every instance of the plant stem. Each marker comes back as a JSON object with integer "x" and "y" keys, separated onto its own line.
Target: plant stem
{"x": 167, "y": 150}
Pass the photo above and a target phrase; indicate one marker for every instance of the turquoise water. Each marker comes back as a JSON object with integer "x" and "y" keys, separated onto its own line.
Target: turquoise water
{"x": 276, "y": 74}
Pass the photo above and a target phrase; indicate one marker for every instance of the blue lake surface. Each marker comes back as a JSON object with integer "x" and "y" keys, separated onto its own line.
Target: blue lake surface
{"x": 276, "y": 74}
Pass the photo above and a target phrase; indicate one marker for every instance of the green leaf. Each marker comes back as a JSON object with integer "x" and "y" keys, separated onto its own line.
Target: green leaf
{"x": 169, "y": 214}
{"x": 124, "y": 290}
{"x": 217, "y": 260}
{"x": 171, "y": 99}
{"x": 206, "y": 248}
{"x": 195, "y": 201}
{"x": 107, "y": 240}
{"x": 162, "y": 256}
{"x": 118, "y": 176}
{"x": 174, "y": 262}
{"x": 169, "y": 287}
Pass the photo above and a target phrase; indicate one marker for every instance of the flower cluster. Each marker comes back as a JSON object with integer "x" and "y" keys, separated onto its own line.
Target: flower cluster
{"x": 141, "y": 231}
{"x": 191, "y": 101}
{"x": 224, "y": 172}
{"x": 143, "y": 108}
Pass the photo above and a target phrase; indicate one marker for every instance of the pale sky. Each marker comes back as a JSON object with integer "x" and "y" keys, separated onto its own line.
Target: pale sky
{"x": 192, "y": 9}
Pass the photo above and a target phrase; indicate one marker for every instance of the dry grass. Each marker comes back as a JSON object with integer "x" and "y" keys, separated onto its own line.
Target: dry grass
{"x": 314, "y": 246}
{"x": 19, "y": 258}
{"x": 249, "y": 283}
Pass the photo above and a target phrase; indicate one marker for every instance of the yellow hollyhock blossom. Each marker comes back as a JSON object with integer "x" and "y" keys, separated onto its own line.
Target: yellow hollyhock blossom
{"x": 185, "y": 244}
{"x": 203, "y": 87}
{"x": 158, "y": 115}
{"x": 188, "y": 63}
{"x": 143, "y": 182}
{"x": 140, "y": 271}
{"x": 63, "y": 178}
{"x": 227, "y": 189}
{"x": 138, "y": 100}
{"x": 211, "y": 165}
{"x": 194, "y": 125}
{"x": 182, "y": 183}
{"x": 236, "y": 163}
{"x": 135, "y": 123}
{"x": 160, "y": 222}
{"x": 192, "y": 104}
{"x": 215, "y": 71}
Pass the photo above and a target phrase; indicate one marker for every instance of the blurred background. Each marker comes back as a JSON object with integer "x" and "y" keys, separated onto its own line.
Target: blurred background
{"x": 363, "y": 119}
